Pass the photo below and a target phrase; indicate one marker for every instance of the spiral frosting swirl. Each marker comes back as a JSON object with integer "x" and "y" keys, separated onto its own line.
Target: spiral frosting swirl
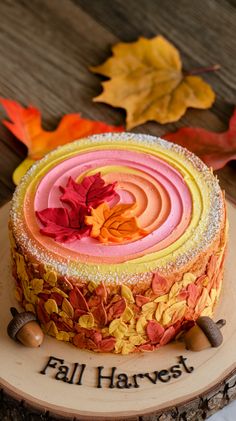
{"x": 175, "y": 193}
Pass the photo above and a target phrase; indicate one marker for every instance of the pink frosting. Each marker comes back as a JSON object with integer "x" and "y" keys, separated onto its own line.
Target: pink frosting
{"x": 164, "y": 203}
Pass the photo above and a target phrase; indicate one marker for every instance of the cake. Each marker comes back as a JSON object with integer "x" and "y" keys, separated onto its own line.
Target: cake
{"x": 118, "y": 242}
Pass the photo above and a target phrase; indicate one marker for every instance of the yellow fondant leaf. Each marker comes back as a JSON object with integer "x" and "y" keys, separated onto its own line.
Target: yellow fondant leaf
{"x": 175, "y": 289}
{"x": 63, "y": 336}
{"x": 36, "y": 285}
{"x": 174, "y": 313}
{"x": 51, "y": 306}
{"x": 118, "y": 328}
{"x": 188, "y": 278}
{"x": 21, "y": 268}
{"x": 67, "y": 308}
{"x": 128, "y": 315}
{"x": 50, "y": 328}
{"x": 30, "y": 307}
{"x": 86, "y": 321}
{"x": 141, "y": 325}
{"x": 137, "y": 340}
{"x": 148, "y": 310}
{"x": 51, "y": 278}
{"x": 59, "y": 291}
{"x": 127, "y": 293}
{"x": 162, "y": 299}
{"x": 159, "y": 311}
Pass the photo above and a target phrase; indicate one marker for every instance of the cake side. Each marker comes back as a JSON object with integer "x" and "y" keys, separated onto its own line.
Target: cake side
{"x": 138, "y": 302}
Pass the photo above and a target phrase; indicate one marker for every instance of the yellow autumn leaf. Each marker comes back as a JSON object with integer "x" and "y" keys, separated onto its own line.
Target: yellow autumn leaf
{"x": 128, "y": 315}
{"x": 118, "y": 328}
{"x": 146, "y": 79}
{"x": 127, "y": 293}
{"x": 50, "y": 328}
{"x": 67, "y": 308}
{"x": 86, "y": 321}
{"x": 51, "y": 278}
{"x": 141, "y": 325}
{"x": 148, "y": 310}
{"x": 174, "y": 313}
{"x": 51, "y": 306}
{"x": 63, "y": 336}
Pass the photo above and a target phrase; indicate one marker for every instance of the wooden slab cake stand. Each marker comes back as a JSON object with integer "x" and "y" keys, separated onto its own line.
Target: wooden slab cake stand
{"x": 58, "y": 380}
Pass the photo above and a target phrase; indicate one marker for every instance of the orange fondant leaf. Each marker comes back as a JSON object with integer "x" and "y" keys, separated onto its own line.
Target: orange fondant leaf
{"x": 25, "y": 124}
{"x": 115, "y": 225}
{"x": 215, "y": 149}
{"x": 146, "y": 79}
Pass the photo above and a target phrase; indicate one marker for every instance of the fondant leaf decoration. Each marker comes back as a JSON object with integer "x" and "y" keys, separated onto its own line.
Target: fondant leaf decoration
{"x": 115, "y": 225}
{"x": 160, "y": 285}
{"x": 154, "y": 331}
{"x": 215, "y": 149}
{"x": 63, "y": 225}
{"x": 146, "y": 79}
{"x": 25, "y": 124}
{"x": 91, "y": 192}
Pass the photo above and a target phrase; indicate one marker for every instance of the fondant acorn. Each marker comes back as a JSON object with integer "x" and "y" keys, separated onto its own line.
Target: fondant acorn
{"x": 24, "y": 328}
{"x": 204, "y": 334}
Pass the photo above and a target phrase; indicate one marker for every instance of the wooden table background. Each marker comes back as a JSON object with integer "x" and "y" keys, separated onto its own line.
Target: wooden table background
{"x": 46, "y": 47}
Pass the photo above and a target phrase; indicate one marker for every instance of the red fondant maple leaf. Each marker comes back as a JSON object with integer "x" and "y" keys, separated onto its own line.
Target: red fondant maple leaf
{"x": 91, "y": 192}
{"x": 62, "y": 224}
{"x": 215, "y": 149}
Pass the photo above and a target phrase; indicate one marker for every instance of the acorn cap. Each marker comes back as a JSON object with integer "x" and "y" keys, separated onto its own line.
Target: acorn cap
{"x": 18, "y": 321}
{"x": 211, "y": 329}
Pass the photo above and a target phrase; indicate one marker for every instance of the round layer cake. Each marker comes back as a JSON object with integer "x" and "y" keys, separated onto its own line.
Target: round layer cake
{"x": 118, "y": 242}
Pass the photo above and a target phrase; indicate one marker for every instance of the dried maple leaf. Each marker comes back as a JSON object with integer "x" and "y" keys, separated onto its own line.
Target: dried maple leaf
{"x": 147, "y": 80}
{"x": 25, "y": 124}
{"x": 215, "y": 149}
{"x": 115, "y": 224}
{"x": 92, "y": 191}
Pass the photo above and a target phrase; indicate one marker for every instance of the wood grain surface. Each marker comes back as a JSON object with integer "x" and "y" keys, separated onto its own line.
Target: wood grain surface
{"x": 46, "y": 47}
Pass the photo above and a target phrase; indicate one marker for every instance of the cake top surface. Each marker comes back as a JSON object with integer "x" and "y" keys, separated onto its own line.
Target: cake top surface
{"x": 175, "y": 199}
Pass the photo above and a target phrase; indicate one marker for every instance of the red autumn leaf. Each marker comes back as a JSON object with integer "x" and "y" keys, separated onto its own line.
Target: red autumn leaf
{"x": 94, "y": 301}
{"x": 96, "y": 336}
{"x": 79, "y": 340}
{"x": 211, "y": 267}
{"x": 194, "y": 292}
{"x": 77, "y": 300}
{"x": 62, "y": 224}
{"x": 57, "y": 297}
{"x": 78, "y": 312}
{"x": 100, "y": 315}
{"x": 154, "y": 331}
{"x": 101, "y": 291}
{"x": 107, "y": 345}
{"x": 160, "y": 285}
{"x": 182, "y": 295}
{"x": 215, "y": 149}
{"x": 42, "y": 315}
{"x": 168, "y": 336}
{"x": 116, "y": 309}
{"x": 146, "y": 347}
{"x": 141, "y": 300}
{"x": 25, "y": 124}
{"x": 91, "y": 192}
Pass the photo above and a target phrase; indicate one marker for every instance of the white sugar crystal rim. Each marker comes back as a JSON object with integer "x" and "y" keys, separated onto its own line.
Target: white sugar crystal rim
{"x": 215, "y": 214}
